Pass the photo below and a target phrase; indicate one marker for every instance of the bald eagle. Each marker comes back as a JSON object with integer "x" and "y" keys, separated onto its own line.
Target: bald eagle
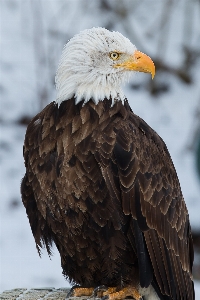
{"x": 100, "y": 183}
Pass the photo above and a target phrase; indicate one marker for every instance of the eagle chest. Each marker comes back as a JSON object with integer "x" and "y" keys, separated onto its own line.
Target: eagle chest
{"x": 76, "y": 190}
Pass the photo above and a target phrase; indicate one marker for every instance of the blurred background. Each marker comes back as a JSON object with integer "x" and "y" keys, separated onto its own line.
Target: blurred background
{"x": 32, "y": 35}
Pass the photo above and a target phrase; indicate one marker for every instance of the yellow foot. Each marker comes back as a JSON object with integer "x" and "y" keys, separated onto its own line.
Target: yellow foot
{"x": 77, "y": 291}
{"x": 129, "y": 291}
{"x": 105, "y": 293}
{"x": 102, "y": 291}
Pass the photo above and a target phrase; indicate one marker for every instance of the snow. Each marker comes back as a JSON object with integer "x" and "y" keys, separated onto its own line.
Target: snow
{"x": 172, "y": 114}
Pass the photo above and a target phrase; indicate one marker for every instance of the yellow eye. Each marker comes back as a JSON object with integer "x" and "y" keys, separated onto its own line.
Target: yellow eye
{"x": 114, "y": 55}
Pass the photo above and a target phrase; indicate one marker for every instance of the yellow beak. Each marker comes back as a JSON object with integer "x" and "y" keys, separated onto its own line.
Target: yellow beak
{"x": 138, "y": 62}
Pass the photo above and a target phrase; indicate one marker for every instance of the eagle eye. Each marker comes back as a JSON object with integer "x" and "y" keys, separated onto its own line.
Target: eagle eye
{"x": 114, "y": 55}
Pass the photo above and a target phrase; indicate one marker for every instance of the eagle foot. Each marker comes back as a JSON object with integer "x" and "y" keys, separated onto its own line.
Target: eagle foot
{"x": 114, "y": 293}
{"x": 103, "y": 291}
{"x": 78, "y": 291}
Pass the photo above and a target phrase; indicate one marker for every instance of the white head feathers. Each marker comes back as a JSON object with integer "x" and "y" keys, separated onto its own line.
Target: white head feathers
{"x": 86, "y": 69}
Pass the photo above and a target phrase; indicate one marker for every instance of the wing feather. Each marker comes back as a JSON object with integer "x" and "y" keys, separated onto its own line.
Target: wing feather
{"x": 151, "y": 193}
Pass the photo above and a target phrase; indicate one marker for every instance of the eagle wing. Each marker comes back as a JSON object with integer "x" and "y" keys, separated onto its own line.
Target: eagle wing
{"x": 142, "y": 174}
{"x": 33, "y": 185}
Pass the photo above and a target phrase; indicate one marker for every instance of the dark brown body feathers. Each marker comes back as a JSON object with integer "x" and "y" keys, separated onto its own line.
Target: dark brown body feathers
{"x": 101, "y": 185}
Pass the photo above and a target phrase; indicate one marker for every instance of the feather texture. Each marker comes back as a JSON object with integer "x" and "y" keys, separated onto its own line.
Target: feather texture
{"x": 101, "y": 185}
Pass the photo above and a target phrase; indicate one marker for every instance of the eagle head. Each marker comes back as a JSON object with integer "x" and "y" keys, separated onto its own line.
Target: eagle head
{"x": 95, "y": 63}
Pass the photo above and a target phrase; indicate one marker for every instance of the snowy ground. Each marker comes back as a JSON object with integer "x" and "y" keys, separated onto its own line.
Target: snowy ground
{"x": 172, "y": 115}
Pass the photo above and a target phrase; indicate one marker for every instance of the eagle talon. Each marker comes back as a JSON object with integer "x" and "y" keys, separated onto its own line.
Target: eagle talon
{"x": 99, "y": 290}
{"x": 79, "y": 291}
{"x": 71, "y": 292}
{"x": 121, "y": 294}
